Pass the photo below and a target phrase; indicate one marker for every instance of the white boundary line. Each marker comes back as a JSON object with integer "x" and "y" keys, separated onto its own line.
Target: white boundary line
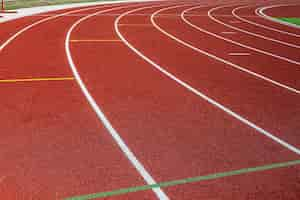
{"x": 248, "y": 32}
{"x": 9, "y": 40}
{"x": 262, "y": 14}
{"x": 23, "y": 12}
{"x": 158, "y": 191}
{"x": 193, "y": 90}
{"x": 239, "y": 54}
{"x": 226, "y": 61}
{"x": 240, "y": 44}
{"x": 128, "y": 153}
{"x": 259, "y": 25}
{"x": 102, "y": 5}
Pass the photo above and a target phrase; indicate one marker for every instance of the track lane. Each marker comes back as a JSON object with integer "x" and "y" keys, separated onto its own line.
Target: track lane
{"x": 174, "y": 34}
{"x": 177, "y": 126}
{"x": 280, "y": 71}
{"x": 255, "y": 27}
{"x": 260, "y": 11}
{"x": 171, "y": 63}
{"x": 274, "y": 184}
{"x": 54, "y": 145}
{"x": 248, "y": 37}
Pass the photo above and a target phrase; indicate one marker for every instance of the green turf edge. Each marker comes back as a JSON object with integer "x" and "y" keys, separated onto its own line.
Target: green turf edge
{"x": 34, "y": 3}
{"x": 291, "y": 20}
{"x": 184, "y": 181}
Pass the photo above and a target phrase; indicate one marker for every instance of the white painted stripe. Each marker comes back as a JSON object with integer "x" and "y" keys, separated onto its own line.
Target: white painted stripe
{"x": 248, "y": 32}
{"x": 232, "y": 41}
{"x": 262, "y": 14}
{"x": 259, "y": 25}
{"x": 23, "y": 12}
{"x": 228, "y": 62}
{"x": 246, "y": 46}
{"x": 9, "y": 40}
{"x": 239, "y": 54}
{"x": 195, "y": 91}
{"x": 116, "y": 136}
{"x": 227, "y": 32}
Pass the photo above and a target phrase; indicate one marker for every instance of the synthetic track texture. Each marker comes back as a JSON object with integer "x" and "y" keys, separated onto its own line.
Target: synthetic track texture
{"x": 55, "y": 147}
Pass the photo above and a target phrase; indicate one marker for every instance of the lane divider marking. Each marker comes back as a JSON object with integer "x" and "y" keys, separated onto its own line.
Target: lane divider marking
{"x": 36, "y": 79}
{"x": 239, "y": 54}
{"x": 192, "y": 89}
{"x": 160, "y": 194}
{"x": 13, "y": 37}
{"x": 232, "y": 41}
{"x": 241, "y": 68}
{"x": 260, "y": 13}
{"x": 96, "y": 40}
{"x": 196, "y": 179}
{"x": 228, "y": 32}
{"x": 243, "y": 18}
{"x": 249, "y": 32}
{"x": 202, "y": 95}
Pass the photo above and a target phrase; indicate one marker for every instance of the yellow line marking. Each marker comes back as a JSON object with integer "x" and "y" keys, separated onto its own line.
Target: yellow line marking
{"x": 36, "y": 79}
{"x": 92, "y": 40}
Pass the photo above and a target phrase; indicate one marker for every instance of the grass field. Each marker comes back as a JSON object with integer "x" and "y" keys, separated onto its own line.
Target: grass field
{"x": 15, "y": 4}
{"x": 291, "y": 20}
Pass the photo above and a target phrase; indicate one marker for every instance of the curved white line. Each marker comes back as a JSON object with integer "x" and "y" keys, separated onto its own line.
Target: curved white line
{"x": 257, "y": 24}
{"x": 116, "y": 136}
{"x": 195, "y": 91}
{"x": 253, "y": 48}
{"x": 13, "y": 37}
{"x": 248, "y": 32}
{"x": 262, "y": 14}
{"x": 291, "y": 89}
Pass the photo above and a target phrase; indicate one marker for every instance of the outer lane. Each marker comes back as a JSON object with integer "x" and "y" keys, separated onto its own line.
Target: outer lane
{"x": 179, "y": 134}
{"x": 245, "y": 94}
{"x": 246, "y": 11}
{"x": 54, "y": 146}
{"x": 249, "y": 39}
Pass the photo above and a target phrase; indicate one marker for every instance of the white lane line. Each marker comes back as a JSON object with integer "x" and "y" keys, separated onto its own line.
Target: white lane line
{"x": 116, "y": 136}
{"x": 257, "y": 24}
{"x": 239, "y": 54}
{"x": 243, "y": 45}
{"x": 248, "y": 32}
{"x": 232, "y": 41}
{"x": 9, "y": 40}
{"x": 193, "y": 90}
{"x": 262, "y": 14}
{"x": 226, "y": 61}
{"x": 227, "y": 32}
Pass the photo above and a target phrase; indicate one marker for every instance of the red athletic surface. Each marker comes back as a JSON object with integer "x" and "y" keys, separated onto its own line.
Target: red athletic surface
{"x": 291, "y": 10}
{"x": 53, "y": 145}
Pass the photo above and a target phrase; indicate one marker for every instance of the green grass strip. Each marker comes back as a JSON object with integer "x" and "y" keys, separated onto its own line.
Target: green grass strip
{"x": 184, "y": 181}
{"x": 291, "y": 20}
{"x": 12, "y": 5}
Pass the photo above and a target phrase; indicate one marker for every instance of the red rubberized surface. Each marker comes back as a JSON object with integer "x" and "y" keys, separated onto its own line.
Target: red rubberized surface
{"x": 54, "y": 146}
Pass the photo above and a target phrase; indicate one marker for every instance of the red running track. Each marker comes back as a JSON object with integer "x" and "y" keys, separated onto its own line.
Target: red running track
{"x": 55, "y": 147}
